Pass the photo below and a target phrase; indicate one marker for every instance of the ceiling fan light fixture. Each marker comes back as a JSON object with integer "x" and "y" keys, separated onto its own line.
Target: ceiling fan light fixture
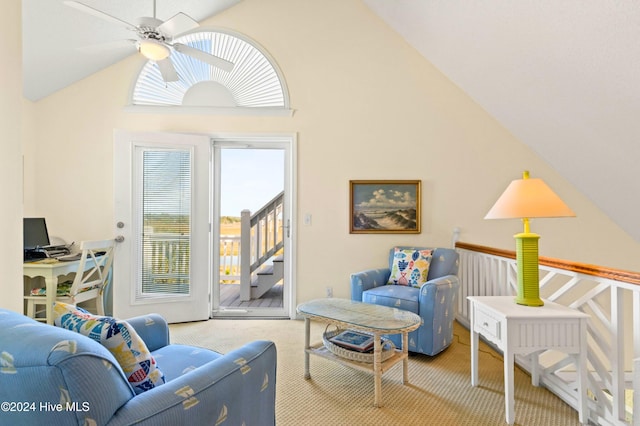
{"x": 153, "y": 50}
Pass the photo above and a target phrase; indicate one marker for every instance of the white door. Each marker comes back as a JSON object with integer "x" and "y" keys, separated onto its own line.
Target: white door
{"x": 162, "y": 204}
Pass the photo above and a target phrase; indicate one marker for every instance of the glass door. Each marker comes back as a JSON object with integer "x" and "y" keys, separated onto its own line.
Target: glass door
{"x": 252, "y": 225}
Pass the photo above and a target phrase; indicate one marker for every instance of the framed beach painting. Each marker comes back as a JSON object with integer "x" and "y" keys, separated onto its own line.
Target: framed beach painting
{"x": 384, "y": 206}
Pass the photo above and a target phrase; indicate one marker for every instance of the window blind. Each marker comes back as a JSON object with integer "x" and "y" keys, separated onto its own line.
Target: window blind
{"x": 165, "y": 206}
{"x": 253, "y": 82}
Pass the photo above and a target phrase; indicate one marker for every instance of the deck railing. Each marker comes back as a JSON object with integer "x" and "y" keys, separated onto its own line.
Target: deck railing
{"x": 612, "y": 299}
{"x": 261, "y": 237}
{"x": 166, "y": 268}
{"x": 230, "y": 259}
{"x": 168, "y": 256}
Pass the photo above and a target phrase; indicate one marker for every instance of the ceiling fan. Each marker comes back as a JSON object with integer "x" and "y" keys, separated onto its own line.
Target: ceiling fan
{"x": 155, "y": 39}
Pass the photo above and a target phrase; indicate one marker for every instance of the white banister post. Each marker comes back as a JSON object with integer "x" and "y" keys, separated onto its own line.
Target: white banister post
{"x": 636, "y": 358}
{"x": 245, "y": 255}
{"x": 455, "y": 237}
{"x": 617, "y": 356}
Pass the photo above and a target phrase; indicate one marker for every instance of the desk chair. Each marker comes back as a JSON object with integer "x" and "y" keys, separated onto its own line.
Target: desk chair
{"x": 91, "y": 279}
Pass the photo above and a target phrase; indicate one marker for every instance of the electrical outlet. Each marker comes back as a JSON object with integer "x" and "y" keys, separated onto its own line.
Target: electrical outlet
{"x": 329, "y": 291}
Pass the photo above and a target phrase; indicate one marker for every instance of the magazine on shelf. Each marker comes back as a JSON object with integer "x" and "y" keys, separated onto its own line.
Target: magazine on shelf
{"x": 354, "y": 340}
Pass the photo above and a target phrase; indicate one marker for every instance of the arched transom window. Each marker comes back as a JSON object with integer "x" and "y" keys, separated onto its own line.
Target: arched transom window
{"x": 254, "y": 81}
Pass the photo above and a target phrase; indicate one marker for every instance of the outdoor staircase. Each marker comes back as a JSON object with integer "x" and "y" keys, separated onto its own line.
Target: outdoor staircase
{"x": 267, "y": 277}
{"x": 262, "y": 237}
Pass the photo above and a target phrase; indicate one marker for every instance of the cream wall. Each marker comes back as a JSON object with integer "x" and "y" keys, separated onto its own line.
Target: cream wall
{"x": 11, "y": 156}
{"x": 368, "y": 106}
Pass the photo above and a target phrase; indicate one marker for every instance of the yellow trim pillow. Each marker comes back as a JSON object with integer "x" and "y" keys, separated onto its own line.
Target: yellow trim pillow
{"x": 119, "y": 337}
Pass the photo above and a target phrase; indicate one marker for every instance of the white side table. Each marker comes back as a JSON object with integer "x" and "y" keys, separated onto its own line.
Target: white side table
{"x": 518, "y": 329}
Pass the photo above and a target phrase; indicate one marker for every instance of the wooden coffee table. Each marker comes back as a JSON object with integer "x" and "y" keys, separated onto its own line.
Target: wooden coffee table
{"x": 374, "y": 319}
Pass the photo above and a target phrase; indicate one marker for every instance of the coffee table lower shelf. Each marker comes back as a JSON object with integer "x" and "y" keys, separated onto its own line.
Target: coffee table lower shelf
{"x": 321, "y": 350}
{"x": 377, "y": 368}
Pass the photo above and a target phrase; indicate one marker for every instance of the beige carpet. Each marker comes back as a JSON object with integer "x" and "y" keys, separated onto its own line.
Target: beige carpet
{"x": 439, "y": 393}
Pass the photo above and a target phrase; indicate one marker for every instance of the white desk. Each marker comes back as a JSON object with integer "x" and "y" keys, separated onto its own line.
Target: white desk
{"x": 518, "y": 329}
{"x": 50, "y": 270}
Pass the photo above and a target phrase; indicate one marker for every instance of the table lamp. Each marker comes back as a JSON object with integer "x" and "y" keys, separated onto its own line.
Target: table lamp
{"x": 524, "y": 199}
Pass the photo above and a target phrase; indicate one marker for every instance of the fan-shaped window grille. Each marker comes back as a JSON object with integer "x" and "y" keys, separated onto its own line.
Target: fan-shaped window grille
{"x": 253, "y": 82}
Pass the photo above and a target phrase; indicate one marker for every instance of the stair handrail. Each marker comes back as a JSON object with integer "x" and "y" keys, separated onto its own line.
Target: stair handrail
{"x": 261, "y": 238}
{"x": 630, "y": 277}
{"x": 259, "y": 246}
{"x": 610, "y": 296}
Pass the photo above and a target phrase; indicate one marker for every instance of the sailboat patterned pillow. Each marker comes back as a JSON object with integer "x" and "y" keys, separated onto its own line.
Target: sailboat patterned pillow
{"x": 119, "y": 338}
{"x": 410, "y": 267}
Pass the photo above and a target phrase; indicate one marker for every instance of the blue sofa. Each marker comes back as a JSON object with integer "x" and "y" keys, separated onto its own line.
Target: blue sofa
{"x": 434, "y": 301}
{"x": 50, "y": 375}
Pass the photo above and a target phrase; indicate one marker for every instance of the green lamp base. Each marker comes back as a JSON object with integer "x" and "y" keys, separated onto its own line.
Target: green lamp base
{"x": 528, "y": 274}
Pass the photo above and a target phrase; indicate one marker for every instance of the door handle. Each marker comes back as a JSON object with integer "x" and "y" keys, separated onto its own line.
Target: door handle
{"x": 287, "y": 227}
{"x": 119, "y": 239}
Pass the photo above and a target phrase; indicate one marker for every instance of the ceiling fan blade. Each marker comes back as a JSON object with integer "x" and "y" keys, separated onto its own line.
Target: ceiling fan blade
{"x": 204, "y": 56}
{"x": 111, "y": 45}
{"x": 99, "y": 14}
{"x": 177, "y": 24}
{"x": 167, "y": 70}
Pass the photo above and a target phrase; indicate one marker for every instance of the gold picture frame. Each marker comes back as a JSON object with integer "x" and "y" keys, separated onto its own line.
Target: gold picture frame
{"x": 384, "y": 206}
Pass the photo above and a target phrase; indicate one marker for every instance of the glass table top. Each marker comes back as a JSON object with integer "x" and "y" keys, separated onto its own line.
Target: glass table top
{"x": 360, "y": 315}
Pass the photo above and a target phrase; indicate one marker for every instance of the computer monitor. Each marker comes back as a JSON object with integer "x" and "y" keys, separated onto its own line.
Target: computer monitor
{"x": 35, "y": 233}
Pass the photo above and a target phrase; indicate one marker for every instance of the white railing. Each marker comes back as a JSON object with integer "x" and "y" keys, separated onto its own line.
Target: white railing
{"x": 166, "y": 263}
{"x": 261, "y": 237}
{"x": 168, "y": 257}
{"x": 230, "y": 259}
{"x": 611, "y": 298}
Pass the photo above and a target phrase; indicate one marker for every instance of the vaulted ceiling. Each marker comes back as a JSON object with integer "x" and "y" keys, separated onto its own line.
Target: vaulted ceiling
{"x": 561, "y": 76}
{"x": 55, "y": 37}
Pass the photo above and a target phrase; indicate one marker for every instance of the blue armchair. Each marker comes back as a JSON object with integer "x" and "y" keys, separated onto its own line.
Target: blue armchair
{"x": 434, "y": 301}
{"x": 50, "y": 375}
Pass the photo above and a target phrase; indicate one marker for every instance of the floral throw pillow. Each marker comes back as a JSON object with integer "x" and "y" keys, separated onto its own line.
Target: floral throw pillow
{"x": 410, "y": 267}
{"x": 119, "y": 338}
